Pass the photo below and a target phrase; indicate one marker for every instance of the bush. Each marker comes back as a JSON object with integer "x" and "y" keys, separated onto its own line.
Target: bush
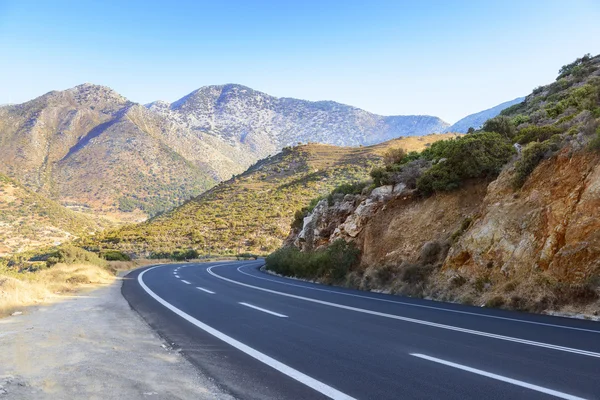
{"x": 394, "y": 156}
{"x": 416, "y": 273}
{"x": 531, "y": 156}
{"x": 594, "y": 144}
{"x": 331, "y": 264}
{"x": 500, "y": 124}
{"x": 69, "y": 254}
{"x": 535, "y": 133}
{"x": 472, "y": 156}
{"x": 115, "y": 255}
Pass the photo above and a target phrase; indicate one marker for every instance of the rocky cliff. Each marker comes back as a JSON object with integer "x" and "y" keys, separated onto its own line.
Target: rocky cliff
{"x": 527, "y": 238}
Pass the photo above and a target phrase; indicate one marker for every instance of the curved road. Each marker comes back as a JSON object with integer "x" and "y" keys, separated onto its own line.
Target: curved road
{"x": 264, "y": 337}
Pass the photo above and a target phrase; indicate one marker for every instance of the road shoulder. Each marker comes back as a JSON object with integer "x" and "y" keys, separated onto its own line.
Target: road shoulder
{"x": 93, "y": 346}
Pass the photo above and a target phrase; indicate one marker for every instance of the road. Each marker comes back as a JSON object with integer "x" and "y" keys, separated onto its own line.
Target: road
{"x": 260, "y": 336}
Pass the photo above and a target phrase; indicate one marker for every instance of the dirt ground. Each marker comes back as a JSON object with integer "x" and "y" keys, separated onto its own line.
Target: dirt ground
{"x": 93, "y": 346}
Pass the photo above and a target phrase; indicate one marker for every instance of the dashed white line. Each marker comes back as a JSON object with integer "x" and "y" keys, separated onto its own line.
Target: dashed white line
{"x": 500, "y": 377}
{"x": 263, "y": 310}
{"x": 404, "y": 303}
{"x": 205, "y": 290}
{"x": 186, "y": 282}
{"x": 414, "y": 320}
{"x": 177, "y": 276}
{"x": 319, "y": 386}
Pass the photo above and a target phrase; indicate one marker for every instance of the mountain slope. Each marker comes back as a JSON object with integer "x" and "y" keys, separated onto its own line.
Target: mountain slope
{"x": 476, "y": 120}
{"x": 29, "y": 220}
{"x": 89, "y": 146}
{"x": 252, "y": 211}
{"x": 238, "y": 114}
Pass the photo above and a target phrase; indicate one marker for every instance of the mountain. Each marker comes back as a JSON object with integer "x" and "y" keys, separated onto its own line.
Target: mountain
{"x": 252, "y": 212}
{"x": 91, "y": 148}
{"x": 476, "y": 120}
{"x": 29, "y": 220}
{"x": 238, "y": 114}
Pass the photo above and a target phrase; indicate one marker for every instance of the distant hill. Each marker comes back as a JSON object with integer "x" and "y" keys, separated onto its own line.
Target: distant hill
{"x": 239, "y": 114}
{"x": 252, "y": 212}
{"x": 476, "y": 120}
{"x": 29, "y": 220}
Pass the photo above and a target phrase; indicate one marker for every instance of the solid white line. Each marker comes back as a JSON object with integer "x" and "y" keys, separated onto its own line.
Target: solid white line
{"x": 186, "y": 282}
{"x": 421, "y": 305}
{"x": 413, "y": 320}
{"x": 205, "y": 290}
{"x": 271, "y": 362}
{"x": 500, "y": 378}
{"x": 263, "y": 310}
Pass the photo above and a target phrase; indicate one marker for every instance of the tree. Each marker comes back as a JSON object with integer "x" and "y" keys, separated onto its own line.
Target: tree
{"x": 471, "y": 130}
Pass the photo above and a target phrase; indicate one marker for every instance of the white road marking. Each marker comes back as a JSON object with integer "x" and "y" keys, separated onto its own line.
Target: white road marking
{"x": 500, "y": 378}
{"x": 186, "y": 282}
{"x": 205, "y": 290}
{"x": 263, "y": 310}
{"x": 413, "y": 320}
{"x": 319, "y": 386}
{"x": 177, "y": 276}
{"x": 420, "y": 305}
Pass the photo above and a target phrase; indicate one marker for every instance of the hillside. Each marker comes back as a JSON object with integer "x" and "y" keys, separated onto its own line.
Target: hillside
{"x": 476, "y": 120}
{"x": 89, "y": 147}
{"x": 504, "y": 217}
{"x": 252, "y": 211}
{"x": 28, "y": 220}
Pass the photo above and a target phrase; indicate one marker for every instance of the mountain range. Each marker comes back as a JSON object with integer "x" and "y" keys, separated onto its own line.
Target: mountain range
{"x": 476, "y": 120}
{"x": 91, "y": 149}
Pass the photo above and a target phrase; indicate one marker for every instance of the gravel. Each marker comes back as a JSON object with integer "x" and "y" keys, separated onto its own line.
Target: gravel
{"x": 93, "y": 346}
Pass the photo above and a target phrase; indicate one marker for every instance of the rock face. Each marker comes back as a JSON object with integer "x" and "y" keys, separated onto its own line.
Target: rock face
{"x": 551, "y": 226}
{"x": 534, "y": 249}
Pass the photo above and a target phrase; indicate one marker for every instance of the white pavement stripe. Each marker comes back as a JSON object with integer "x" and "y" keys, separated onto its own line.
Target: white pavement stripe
{"x": 263, "y": 310}
{"x": 415, "y": 321}
{"x": 319, "y": 386}
{"x": 186, "y": 282}
{"x": 205, "y": 290}
{"x": 500, "y": 378}
{"x": 177, "y": 276}
{"x": 420, "y": 305}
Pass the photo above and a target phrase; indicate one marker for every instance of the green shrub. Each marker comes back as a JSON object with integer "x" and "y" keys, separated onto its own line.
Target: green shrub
{"x": 531, "y": 156}
{"x": 500, "y": 124}
{"x": 535, "y": 133}
{"x": 394, "y": 156}
{"x": 115, "y": 255}
{"x": 416, "y": 273}
{"x": 331, "y": 264}
{"x": 472, "y": 156}
{"x": 69, "y": 254}
{"x": 594, "y": 144}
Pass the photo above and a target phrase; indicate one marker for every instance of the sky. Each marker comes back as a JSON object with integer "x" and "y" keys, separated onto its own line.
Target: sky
{"x": 444, "y": 58}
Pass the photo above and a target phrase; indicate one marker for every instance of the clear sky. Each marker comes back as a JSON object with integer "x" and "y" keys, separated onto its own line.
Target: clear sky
{"x": 445, "y": 58}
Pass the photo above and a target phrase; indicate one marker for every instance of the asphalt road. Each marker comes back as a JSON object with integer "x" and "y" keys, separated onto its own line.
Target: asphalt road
{"x": 260, "y": 336}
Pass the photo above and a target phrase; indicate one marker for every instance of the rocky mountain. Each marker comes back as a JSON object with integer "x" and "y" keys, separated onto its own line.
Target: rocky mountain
{"x": 29, "y": 220}
{"x": 476, "y": 120}
{"x": 252, "y": 212}
{"x": 506, "y": 219}
{"x": 90, "y": 148}
{"x": 237, "y": 114}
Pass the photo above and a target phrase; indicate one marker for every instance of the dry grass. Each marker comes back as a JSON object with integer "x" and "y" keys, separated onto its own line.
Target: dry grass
{"x": 19, "y": 290}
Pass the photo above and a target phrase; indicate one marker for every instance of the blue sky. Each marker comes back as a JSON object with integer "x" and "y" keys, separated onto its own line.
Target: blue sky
{"x": 443, "y": 58}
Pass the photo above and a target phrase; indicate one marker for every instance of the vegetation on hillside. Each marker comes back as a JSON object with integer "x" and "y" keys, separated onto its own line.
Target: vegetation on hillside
{"x": 251, "y": 212}
{"x": 30, "y": 220}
